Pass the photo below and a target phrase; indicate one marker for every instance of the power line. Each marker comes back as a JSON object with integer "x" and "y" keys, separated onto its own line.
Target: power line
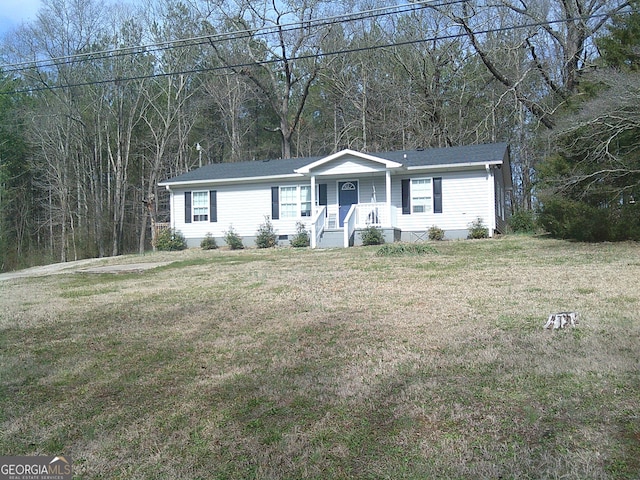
{"x": 236, "y": 34}
{"x": 300, "y": 57}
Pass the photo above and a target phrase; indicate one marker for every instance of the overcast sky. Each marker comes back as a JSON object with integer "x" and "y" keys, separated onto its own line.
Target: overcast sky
{"x": 15, "y": 12}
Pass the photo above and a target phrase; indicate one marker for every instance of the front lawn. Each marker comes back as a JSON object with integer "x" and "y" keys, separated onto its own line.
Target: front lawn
{"x": 289, "y": 363}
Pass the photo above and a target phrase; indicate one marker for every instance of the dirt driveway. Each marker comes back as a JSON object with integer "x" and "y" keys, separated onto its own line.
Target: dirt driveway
{"x": 91, "y": 265}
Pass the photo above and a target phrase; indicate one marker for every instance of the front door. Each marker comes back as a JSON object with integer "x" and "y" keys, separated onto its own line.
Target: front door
{"x": 347, "y": 196}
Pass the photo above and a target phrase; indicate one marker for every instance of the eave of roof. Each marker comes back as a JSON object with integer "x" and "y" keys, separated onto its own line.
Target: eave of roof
{"x": 168, "y": 183}
{"x": 409, "y": 160}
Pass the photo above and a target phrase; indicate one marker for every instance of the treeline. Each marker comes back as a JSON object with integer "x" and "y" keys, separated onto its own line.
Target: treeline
{"x": 589, "y": 181}
{"x": 99, "y": 102}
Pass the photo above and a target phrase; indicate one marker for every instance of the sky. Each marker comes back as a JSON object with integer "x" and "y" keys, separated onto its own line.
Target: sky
{"x": 15, "y": 12}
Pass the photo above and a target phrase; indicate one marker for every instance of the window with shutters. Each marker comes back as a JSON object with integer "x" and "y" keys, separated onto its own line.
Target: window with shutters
{"x": 295, "y": 201}
{"x": 200, "y": 206}
{"x": 421, "y": 195}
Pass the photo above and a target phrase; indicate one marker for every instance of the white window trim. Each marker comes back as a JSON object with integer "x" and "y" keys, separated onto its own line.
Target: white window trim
{"x": 299, "y": 203}
{"x": 309, "y": 210}
{"x": 429, "y": 206}
{"x": 193, "y": 206}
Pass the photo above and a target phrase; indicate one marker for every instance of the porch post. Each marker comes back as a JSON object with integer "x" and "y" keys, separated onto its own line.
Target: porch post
{"x": 313, "y": 195}
{"x": 314, "y": 234}
{"x": 388, "y": 196}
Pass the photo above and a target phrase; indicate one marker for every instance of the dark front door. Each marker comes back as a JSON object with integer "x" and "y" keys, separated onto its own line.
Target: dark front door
{"x": 347, "y": 196}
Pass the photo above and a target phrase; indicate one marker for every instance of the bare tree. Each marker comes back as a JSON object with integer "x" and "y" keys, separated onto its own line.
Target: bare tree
{"x": 550, "y": 30}
{"x": 602, "y": 141}
{"x": 125, "y": 105}
{"x": 169, "y": 114}
{"x": 230, "y": 94}
{"x": 282, "y": 44}
{"x": 56, "y": 124}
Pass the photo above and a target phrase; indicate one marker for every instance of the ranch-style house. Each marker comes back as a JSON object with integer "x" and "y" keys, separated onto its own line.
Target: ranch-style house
{"x": 404, "y": 193}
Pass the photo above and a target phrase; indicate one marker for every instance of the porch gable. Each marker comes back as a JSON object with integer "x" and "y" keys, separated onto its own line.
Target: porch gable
{"x": 348, "y": 162}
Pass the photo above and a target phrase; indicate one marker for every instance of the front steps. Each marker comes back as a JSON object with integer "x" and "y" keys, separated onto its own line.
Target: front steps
{"x": 334, "y": 238}
{"x": 331, "y": 239}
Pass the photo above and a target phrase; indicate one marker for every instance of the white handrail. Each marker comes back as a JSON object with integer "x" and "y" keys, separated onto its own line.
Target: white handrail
{"x": 317, "y": 226}
{"x": 372, "y": 214}
{"x": 349, "y": 224}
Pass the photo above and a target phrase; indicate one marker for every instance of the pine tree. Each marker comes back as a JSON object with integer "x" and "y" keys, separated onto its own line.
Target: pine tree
{"x": 621, "y": 47}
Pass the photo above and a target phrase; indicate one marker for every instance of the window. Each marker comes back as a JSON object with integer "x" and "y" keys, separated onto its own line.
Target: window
{"x": 293, "y": 202}
{"x": 420, "y": 195}
{"x": 288, "y": 202}
{"x": 200, "y": 206}
{"x": 321, "y": 194}
{"x": 305, "y": 201}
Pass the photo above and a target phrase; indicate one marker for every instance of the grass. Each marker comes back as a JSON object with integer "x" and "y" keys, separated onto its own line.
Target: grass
{"x": 292, "y": 363}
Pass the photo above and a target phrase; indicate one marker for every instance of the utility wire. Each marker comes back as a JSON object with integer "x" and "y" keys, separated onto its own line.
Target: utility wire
{"x": 300, "y": 57}
{"x": 235, "y": 35}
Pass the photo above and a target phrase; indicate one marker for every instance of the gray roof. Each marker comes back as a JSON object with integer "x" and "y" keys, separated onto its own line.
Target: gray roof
{"x": 431, "y": 157}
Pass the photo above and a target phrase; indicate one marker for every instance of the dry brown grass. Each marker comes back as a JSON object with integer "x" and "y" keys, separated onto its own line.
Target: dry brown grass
{"x": 331, "y": 364}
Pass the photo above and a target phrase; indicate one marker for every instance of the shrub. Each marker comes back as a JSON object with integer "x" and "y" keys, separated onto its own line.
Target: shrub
{"x": 573, "y": 219}
{"x": 208, "y": 242}
{"x": 266, "y": 236}
{"x": 232, "y": 239}
{"x": 301, "y": 238}
{"x": 435, "y": 233}
{"x": 523, "y": 221}
{"x": 477, "y": 229}
{"x": 403, "y": 249}
{"x": 372, "y": 236}
{"x": 169, "y": 240}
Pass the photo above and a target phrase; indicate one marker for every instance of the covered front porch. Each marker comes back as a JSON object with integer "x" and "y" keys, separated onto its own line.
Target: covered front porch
{"x": 350, "y": 191}
{"x": 357, "y": 217}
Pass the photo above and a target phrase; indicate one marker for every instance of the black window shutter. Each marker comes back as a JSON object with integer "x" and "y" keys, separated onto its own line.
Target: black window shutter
{"x": 406, "y": 192}
{"x": 275, "y": 203}
{"x": 322, "y": 194}
{"x": 437, "y": 195}
{"x": 213, "y": 206}
{"x": 187, "y": 207}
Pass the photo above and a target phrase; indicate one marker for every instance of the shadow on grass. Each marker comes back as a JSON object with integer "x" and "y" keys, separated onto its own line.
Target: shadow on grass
{"x": 225, "y": 398}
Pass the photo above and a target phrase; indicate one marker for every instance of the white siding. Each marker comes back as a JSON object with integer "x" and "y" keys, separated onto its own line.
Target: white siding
{"x": 466, "y": 195}
{"x": 242, "y": 206}
{"x": 366, "y": 185}
{"x": 332, "y": 190}
{"x": 464, "y": 198}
